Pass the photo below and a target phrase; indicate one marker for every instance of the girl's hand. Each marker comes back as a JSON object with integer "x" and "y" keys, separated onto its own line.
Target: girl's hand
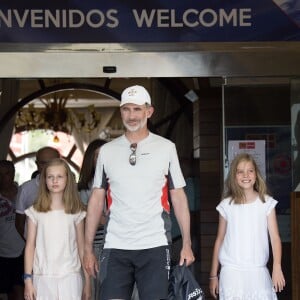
{"x": 91, "y": 265}
{"x": 278, "y": 278}
{"x": 87, "y": 291}
{"x": 29, "y": 291}
{"x": 214, "y": 286}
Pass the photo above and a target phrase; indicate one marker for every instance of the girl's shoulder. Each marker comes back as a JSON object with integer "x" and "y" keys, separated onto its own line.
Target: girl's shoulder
{"x": 30, "y": 209}
{"x": 269, "y": 203}
{"x": 269, "y": 198}
{"x": 226, "y": 201}
{"x": 224, "y": 207}
{"x": 79, "y": 216}
{"x": 32, "y": 213}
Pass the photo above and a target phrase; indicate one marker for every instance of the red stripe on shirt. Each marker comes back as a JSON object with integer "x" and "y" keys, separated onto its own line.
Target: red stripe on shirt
{"x": 109, "y": 198}
{"x": 165, "y": 198}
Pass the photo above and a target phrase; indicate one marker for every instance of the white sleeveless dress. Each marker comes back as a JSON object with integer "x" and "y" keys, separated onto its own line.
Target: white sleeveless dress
{"x": 56, "y": 264}
{"x": 245, "y": 251}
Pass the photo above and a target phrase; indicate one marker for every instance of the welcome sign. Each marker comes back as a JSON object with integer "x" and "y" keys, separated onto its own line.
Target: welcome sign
{"x": 95, "y": 21}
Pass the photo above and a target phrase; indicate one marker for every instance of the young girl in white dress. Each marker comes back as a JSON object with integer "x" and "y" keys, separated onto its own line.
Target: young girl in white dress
{"x": 55, "y": 238}
{"x": 247, "y": 220}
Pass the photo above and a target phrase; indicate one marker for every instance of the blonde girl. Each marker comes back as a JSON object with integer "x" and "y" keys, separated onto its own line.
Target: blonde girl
{"x": 247, "y": 220}
{"x": 54, "y": 245}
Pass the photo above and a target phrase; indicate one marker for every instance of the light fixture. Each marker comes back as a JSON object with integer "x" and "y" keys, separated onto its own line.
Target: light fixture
{"x": 56, "y": 117}
{"x": 56, "y": 139}
{"x": 84, "y": 120}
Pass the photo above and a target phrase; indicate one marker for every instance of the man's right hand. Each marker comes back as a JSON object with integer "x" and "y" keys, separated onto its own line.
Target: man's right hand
{"x": 90, "y": 264}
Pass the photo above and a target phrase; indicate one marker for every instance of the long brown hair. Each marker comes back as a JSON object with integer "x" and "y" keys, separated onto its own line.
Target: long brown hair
{"x": 88, "y": 164}
{"x": 71, "y": 200}
{"x": 233, "y": 190}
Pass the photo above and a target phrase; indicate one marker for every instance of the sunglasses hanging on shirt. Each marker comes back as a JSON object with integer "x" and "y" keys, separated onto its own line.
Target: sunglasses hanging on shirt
{"x": 132, "y": 156}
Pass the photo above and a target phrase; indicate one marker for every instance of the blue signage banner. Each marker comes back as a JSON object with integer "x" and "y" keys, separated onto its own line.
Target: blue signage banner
{"x": 113, "y": 21}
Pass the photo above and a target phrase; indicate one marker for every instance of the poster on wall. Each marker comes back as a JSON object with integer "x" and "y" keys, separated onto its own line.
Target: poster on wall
{"x": 255, "y": 148}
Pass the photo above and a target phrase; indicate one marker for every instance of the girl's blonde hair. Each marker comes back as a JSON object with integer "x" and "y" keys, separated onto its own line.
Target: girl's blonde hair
{"x": 233, "y": 190}
{"x": 71, "y": 199}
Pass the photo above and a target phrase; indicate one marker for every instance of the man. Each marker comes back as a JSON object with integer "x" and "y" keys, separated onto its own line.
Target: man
{"x": 11, "y": 243}
{"x": 135, "y": 172}
{"x": 29, "y": 189}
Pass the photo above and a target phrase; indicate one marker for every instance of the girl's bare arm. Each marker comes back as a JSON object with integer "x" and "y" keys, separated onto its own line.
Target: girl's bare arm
{"x": 277, "y": 274}
{"x": 29, "y": 290}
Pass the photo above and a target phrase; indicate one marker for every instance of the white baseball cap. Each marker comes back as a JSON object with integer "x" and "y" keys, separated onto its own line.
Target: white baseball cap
{"x": 136, "y": 95}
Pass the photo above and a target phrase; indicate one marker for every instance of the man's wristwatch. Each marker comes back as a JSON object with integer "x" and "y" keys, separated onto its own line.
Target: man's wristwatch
{"x": 26, "y": 276}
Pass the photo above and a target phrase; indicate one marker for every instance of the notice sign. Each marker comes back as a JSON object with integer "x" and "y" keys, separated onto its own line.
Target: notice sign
{"x": 256, "y": 148}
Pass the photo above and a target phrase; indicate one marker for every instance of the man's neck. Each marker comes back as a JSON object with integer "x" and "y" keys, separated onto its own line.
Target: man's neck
{"x": 137, "y": 136}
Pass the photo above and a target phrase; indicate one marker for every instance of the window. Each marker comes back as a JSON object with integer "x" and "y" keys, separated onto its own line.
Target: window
{"x": 23, "y": 147}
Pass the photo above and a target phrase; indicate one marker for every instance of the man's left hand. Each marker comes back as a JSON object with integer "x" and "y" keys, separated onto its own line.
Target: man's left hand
{"x": 186, "y": 256}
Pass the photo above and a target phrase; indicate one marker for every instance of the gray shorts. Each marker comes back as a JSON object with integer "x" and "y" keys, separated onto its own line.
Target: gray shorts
{"x": 149, "y": 268}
